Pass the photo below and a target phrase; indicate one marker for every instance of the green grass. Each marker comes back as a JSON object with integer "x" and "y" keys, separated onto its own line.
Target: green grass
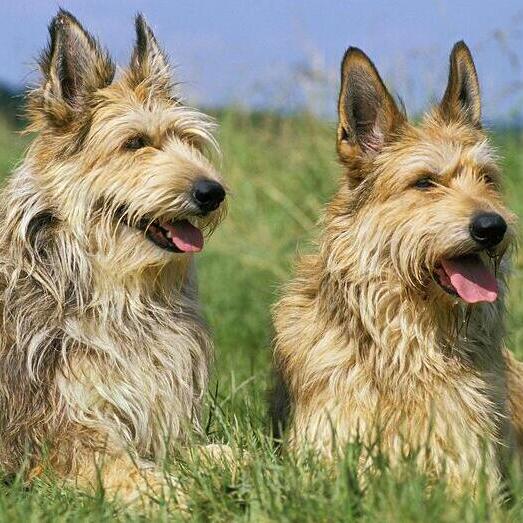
{"x": 281, "y": 171}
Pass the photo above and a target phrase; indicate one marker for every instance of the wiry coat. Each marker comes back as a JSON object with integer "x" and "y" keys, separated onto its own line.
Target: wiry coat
{"x": 103, "y": 348}
{"x": 368, "y": 346}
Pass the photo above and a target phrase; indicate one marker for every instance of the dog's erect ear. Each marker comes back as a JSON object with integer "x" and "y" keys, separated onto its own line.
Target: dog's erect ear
{"x": 73, "y": 65}
{"x": 149, "y": 62}
{"x": 367, "y": 112}
{"x": 461, "y": 100}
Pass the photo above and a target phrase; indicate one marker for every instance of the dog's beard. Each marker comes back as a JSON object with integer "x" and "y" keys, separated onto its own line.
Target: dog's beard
{"x": 467, "y": 277}
{"x": 174, "y": 235}
{"x": 179, "y": 234}
{"x": 464, "y": 271}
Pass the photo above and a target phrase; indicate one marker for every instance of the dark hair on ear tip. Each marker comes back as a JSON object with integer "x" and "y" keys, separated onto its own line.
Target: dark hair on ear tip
{"x": 401, "y": 104}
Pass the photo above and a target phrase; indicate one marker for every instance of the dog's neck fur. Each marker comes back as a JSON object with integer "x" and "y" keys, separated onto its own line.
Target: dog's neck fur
{"x": 367, "y": 295}
{"x": 382, "y": 311}
{"x": 377, "y": 354}
{"x": 114, "y": 333}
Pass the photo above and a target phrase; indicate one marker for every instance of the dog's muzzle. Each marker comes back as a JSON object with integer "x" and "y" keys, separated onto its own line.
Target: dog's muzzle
{"x": 488, "y": 229}
{"x": 208, "y": 195}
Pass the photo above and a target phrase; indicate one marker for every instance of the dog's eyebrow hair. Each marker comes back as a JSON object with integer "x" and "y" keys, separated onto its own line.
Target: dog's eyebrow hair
{"x": 468, "y": 162}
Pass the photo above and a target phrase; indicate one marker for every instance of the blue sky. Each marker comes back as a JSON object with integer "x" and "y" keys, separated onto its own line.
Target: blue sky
{"x": 282, "y": 52}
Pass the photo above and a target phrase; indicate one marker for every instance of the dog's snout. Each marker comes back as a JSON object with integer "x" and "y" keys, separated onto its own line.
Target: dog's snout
{"x": 208, "y": 194}
{"x": 488, "y": 229}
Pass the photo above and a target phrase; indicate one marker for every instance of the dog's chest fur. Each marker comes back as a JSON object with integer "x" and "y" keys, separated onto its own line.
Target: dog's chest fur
{"x": 140, "y": 400}
{"x": 140, "y": 381}
{"x": 386, "y": 368}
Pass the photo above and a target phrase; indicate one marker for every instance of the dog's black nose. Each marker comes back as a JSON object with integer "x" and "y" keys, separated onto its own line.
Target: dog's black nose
{"x": 208, "y": 194}
{"x": 488, "y": 228}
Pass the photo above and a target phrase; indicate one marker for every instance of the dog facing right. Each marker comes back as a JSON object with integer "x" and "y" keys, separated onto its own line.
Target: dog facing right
{"x": 392, "y": 331}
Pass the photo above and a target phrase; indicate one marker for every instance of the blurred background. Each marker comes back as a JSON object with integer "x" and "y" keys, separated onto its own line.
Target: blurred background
{"x": 284, "y": 55}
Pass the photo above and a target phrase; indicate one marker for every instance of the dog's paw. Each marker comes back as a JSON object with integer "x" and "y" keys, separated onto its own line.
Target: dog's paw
{"x": 217, "y": 453}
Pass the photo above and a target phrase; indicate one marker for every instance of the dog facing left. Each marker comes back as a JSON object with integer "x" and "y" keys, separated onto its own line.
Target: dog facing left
{"x": 104, "y": 355}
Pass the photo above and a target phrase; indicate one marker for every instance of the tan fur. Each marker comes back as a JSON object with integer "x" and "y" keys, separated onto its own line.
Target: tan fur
{"x": 368, "y": 346}
{"x": 103, "y": 350}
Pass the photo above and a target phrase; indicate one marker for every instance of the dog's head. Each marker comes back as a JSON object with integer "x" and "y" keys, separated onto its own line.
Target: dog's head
{"x": 420, "y": 204}
{"x": 123, "y": 162}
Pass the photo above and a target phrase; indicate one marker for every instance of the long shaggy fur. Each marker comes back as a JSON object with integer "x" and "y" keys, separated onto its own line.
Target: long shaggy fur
{"x": 103, "y": 349}
{"x": 368, "y": 346}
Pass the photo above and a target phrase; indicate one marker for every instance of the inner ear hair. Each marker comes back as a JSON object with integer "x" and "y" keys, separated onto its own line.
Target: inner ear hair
{"x": 149, "y": 62}
{"x": 368, "y": 115}
{"x": 74, "y": 64}
{"x": 462, "y": 100}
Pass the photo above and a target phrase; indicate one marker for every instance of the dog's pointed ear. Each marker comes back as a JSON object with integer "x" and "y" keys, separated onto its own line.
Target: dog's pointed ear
{"x": 368, "y": 115}
{"x": 73, "y": 65}
{"x": 149, "y": 62}
{"x": 462, "y": 100}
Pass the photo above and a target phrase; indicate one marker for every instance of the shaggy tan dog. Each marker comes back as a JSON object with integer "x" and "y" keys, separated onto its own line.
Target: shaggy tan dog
{"x": 103, "y": 351}
{"x": 392, "y": 331}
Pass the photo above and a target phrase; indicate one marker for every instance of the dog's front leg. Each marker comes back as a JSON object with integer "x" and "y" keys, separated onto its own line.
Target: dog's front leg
{"x": 121, "y": 477}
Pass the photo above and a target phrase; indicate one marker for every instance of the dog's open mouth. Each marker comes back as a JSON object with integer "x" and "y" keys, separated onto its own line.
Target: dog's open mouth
{"x": 174, "y": 235}
{"x": 467, "y": 277}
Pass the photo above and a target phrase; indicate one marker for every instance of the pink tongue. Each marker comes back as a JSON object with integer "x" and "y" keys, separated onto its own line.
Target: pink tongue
{"x": 185, "y": 236}
{"x": 471, "y": 279}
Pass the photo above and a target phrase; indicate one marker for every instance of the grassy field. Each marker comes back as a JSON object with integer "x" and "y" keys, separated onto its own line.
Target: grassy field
{"x": 281, "y": 171}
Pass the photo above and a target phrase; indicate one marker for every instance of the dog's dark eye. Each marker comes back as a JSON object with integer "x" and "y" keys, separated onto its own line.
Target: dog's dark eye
{"x": 424, "y": 183}
{"x": 135, "y": 143}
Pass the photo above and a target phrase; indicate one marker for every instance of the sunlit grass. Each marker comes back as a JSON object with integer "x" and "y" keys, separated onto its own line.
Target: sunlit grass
{"x": 281, "y": 172}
